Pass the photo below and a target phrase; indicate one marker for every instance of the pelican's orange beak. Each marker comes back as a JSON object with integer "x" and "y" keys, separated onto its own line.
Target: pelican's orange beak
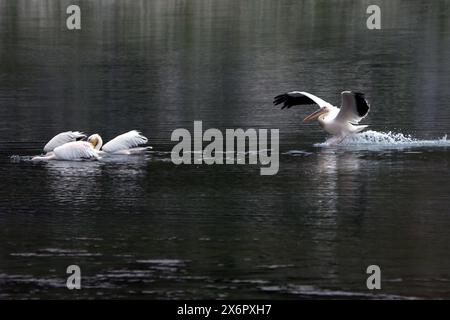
{"x": 315, "y": 114}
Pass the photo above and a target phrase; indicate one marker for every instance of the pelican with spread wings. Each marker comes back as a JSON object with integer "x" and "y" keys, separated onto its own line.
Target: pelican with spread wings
{"x": 69, "y": 145}
{"x": 339, "y": 122}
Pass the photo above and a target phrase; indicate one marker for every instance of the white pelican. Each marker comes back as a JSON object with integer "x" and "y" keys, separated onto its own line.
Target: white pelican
{"x": 57, "y": 149}
{"x": 339, "y": 122}
{"x": 126, "y": 143}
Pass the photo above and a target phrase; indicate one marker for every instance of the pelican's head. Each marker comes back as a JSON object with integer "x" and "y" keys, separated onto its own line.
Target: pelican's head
{"x": 319, "y": 114}
{"x": 96, "y": 141}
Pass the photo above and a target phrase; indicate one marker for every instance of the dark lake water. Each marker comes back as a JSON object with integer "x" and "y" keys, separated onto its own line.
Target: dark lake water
{"x": 142, "y": 227}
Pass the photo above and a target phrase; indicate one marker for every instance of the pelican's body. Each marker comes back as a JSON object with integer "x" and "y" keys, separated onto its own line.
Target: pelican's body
{"x": 75, "y": 150}
{"x": 339, "y": 122}
{"x": 65, "y": 146}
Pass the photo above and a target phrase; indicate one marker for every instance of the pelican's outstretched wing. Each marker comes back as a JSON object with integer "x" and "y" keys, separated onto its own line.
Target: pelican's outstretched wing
{"x": 125, "y": 141}
{"x": 354, "y": 107}
{"x": 76, "y": 150}
{"x": 294, "y": 98}
{"x": 62, "y": 138}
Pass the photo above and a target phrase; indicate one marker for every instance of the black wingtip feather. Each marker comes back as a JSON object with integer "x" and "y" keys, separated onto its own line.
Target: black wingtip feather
{"x": 362, "y": 106}
{"x": 292, "y": 98}
{"x": 282, "y": 99}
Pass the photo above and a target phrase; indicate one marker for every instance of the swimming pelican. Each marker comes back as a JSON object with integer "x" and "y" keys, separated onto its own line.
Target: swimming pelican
{"x": 126, "y": 143}
{"x": 339, "y": 122}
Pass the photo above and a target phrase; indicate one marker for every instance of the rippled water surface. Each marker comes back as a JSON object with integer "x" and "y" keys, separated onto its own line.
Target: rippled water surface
{"x": 141, "y": 227}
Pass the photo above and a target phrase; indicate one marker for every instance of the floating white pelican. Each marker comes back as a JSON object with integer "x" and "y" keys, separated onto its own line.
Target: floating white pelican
{"x": 339, "y": 122}
{"x": 57, "y": 149}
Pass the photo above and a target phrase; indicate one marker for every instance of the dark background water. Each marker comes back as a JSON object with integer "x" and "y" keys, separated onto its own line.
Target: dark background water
{"x": 145, "y": 228}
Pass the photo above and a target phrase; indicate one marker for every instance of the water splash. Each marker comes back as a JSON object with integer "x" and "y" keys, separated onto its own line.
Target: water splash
{"x": 385, "y": 140}
{"x": 297, "y": 153}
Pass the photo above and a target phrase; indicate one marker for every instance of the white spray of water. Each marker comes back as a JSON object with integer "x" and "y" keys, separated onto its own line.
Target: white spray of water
{"x": 385, "y": 140}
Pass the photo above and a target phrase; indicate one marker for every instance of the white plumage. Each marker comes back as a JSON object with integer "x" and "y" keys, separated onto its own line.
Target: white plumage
{"x": 76, "y": 150}
{"x": 125, "y": 142}
{"x": 62, "y": 138}
{"x": 354, "y": 107}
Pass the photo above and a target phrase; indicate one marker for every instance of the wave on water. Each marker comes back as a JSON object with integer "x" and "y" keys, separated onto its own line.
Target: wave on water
{"x": 113, "y": 158}
{"x": 313, "y": 291}
{"x": 297, "y": 153}
{"x": 377, "y": 140}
